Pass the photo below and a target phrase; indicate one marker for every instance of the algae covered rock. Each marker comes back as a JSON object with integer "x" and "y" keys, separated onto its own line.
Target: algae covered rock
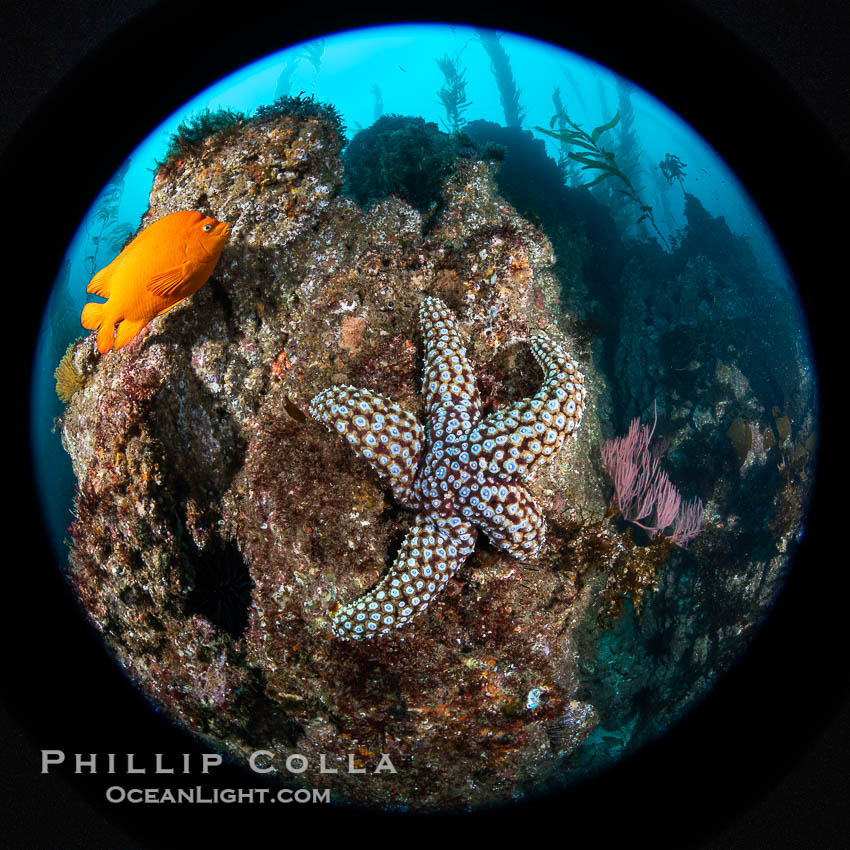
{"x": 741, "y": 436}
{"x": 400, "y": 155}
{"x": 218, "y": 529}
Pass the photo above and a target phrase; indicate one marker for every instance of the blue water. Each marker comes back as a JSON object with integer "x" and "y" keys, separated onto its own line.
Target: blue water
{"x": 347, "y": 70}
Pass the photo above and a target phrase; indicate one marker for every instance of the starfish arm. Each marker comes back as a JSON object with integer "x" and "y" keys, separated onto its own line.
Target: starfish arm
{"x": 427, "y": 558}
{"x": 469, "y": 478}
{"x": 452, "y": 401}
{"x": 506, "y": 512}
{"x": 518, "y": 439}
{"x": 378, "y": 430}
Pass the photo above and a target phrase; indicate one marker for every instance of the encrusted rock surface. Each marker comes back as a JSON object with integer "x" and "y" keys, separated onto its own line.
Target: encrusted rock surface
{"x": 196, "y": 435}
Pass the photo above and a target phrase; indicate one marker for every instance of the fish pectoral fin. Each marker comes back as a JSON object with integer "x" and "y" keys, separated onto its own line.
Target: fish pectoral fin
{"x": 165, "y": 284}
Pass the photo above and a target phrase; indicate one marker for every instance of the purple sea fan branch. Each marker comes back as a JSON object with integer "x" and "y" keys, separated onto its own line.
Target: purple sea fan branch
{"x": 667, "y": 502}
{"x": 633, "y": 469}
{"x": 621, "y": 457}
{"x": 642, "y": 488}
{"x": 689, "y": 522}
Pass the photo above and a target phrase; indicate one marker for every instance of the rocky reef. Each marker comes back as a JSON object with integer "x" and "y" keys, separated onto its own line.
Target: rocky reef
{"x": 218, "y": 529}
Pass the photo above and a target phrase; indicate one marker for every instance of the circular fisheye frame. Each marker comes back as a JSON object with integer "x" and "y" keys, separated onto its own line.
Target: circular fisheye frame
{"x": 424, "y": 415}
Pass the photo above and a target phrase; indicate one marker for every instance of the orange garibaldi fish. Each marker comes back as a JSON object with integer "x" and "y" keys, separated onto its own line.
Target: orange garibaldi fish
{"x": 168, "y": 261}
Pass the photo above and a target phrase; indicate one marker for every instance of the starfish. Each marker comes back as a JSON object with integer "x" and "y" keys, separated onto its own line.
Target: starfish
{"x": 460, "y": 473}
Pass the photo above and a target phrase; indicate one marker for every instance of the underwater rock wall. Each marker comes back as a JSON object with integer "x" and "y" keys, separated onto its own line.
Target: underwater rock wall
{"x": 703, "y": 333}
{"x": 218, "y": 529}
{"x": 700, "y": 331}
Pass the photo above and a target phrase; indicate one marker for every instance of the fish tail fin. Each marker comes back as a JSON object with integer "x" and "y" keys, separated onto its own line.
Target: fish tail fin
{"x": 94, "y": 316}
{"x": 127, "y": 331}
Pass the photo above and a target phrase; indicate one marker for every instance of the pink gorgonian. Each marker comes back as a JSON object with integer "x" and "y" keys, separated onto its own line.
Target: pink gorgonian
{"x": 643, "y": 493}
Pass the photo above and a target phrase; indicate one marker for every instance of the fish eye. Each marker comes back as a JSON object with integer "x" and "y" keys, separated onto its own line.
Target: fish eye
{"x": 208, "y": 227}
